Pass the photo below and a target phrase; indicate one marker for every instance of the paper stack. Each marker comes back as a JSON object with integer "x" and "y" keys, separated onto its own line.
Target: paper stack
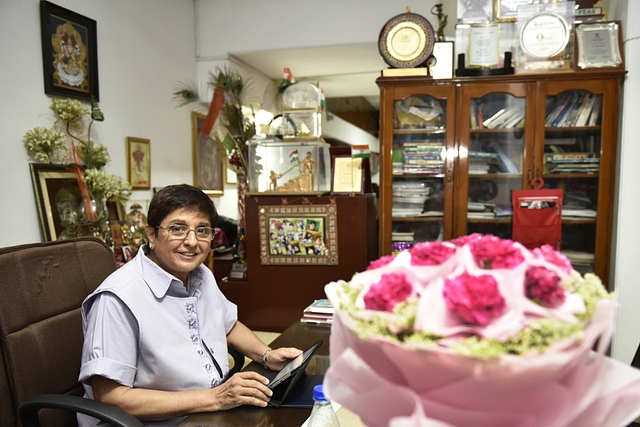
{"x": 319, "y": 311}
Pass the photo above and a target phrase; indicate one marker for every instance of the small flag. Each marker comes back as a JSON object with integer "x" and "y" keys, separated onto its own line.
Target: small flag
{"x": 361, "y": 151}
{"x": 322, "y": 102}
{"x": 293, "y": 157}
{"x": 288, "y": 77}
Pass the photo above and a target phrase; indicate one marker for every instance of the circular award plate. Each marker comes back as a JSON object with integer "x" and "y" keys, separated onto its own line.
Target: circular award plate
{"x": 406, "y": 40}
{"x": 544, "y": 35}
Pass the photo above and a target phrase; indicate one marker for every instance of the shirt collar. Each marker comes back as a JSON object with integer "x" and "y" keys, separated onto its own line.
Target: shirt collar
{"x": 161, "y": 281}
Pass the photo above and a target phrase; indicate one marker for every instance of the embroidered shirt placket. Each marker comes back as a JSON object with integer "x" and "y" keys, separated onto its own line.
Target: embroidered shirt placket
{"x": 206, "y": 354}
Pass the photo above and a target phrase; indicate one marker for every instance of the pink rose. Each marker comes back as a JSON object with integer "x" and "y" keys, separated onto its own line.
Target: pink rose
{"x": 491, "y": 252}
{"x": 465, "y": 240}
{"x": 543, "y": 286}
{"x": 556, "y": 258}
{"x": 388, "y": 292}
{"x": 430, "y": 253}
{"x": 381, "y": 262}
{"x": 475, "y": 299}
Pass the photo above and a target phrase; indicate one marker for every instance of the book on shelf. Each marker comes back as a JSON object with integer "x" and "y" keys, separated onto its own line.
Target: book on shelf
{"x": 556, "y": 108}
{"x": 578, "y": 213}
{"x": 586, "y": 157}
{"x": 595, "y": 111}
{"x": 583, "y": 116}
{"x": 398, "y": 236}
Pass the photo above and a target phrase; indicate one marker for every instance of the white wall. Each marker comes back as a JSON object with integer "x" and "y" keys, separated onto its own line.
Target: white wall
{"x": 625, "y": 263}
{"x": 144, "y": 48}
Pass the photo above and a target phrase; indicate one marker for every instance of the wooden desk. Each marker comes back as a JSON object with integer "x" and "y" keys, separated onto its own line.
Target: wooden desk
{"x": 301, "y": 335}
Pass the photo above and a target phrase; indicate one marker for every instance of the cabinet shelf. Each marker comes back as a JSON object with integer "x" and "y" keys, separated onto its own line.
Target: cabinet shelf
{"x": 529, "y": 116}
{"x": 414, "y": 131}
{"x": 417, "y": 218}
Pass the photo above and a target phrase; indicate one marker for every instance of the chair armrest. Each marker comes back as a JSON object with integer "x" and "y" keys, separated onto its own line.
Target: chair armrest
{"x": 28, "y": 411}
{"x": 238, "y": 361}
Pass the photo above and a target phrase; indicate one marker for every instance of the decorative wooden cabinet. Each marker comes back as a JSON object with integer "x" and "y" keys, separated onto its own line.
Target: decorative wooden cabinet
{"x": 275, "y": 294}
{"x": 453, "y": 150}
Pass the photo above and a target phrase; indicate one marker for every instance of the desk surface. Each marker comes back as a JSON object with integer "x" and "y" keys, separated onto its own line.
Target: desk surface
{"x": 301, "y": 335}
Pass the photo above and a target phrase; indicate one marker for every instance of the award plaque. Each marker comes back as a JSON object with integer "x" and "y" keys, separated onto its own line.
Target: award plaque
{"x": 598, "y": 45}
{"x": 406, "y": 41}
{"x": 484, "y": 45}
{"x": 545, "y": 35}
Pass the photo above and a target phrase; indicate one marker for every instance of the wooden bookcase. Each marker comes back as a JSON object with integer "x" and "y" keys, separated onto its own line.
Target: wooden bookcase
{"x": 452, "y": 151}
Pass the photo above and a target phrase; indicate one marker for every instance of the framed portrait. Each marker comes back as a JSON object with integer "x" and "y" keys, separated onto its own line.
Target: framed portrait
{"x": 139, "y": 163}
{"x": 208, "y": 159}
{"x": 298, "y": 235}
{"x": 69, "y": 53}
{"x": 57, "y": 197}
{"x": 598, "y": 45}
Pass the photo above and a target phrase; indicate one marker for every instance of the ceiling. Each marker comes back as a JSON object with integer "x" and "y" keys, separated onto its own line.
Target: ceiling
{"x": 341, "y": 71}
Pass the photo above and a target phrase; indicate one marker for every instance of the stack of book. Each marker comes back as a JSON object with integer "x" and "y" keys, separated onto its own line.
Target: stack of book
{"x": 319, "y": 311}
{"x": 572, "y": 162}
{"x": 481, "y": 162}
{"x": 408, "y": 197}
{"x": 423, "y": 158}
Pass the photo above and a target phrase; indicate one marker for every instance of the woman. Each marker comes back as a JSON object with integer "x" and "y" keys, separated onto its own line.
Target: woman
{"x": 156, "y": 330}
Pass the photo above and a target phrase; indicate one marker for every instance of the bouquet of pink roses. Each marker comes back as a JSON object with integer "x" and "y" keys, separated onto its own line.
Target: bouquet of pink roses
{"x": 477, "y": 331}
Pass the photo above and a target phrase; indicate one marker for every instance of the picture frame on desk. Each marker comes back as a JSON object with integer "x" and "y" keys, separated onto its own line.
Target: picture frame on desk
{"x": 598, "y": 45}
{"x": 57, "y": 191}
{"x": 348, "y": 175}
{"x": 69, "y": 53}
{"x": 298, "y": 235}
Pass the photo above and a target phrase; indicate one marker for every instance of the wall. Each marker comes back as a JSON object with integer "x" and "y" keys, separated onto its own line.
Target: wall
{"x": 144, "y": 48}
{"x": 625, "y": 262}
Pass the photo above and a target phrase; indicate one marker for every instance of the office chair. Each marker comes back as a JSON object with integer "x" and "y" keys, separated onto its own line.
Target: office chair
{"x": 42, "y": 286}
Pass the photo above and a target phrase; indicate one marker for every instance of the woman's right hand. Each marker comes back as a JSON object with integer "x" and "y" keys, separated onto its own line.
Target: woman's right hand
{"x": 243, "y": 388}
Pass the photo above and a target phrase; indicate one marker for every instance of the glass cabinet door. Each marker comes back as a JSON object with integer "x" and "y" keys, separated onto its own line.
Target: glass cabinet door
{"x": 571, "y": 161}
{"x": 492, "y": 161}
{"x": 419, "y": 168}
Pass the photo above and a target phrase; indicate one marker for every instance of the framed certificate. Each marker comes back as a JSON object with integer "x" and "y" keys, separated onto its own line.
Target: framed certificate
{"x": 598, "y": 45}
{"x": 348, "y": 175}
{"x": 484, "y": 45}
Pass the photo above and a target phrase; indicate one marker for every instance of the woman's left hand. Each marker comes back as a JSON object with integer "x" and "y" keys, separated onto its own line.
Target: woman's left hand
{"x": 277, "y": 358}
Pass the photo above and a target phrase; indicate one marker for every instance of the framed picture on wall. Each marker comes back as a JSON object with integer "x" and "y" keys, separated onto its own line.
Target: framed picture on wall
{"x": 298, "y": 235}
{"x": 69, "y": 53}
{"x": 57, "y": 198}
{"x": 139, "y": 163}
{"x": 208, "y": 159}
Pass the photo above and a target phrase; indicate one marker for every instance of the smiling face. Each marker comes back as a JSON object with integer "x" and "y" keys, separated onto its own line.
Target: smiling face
{"x": 179, "y": 256}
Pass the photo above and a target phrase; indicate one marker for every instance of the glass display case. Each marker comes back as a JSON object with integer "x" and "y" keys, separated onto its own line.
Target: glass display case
{"x": 452, "y": 153}
{"x": 294, "y": 165}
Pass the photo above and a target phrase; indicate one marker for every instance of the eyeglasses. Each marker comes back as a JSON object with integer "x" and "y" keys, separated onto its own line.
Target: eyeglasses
{"x": 182, "y": 232}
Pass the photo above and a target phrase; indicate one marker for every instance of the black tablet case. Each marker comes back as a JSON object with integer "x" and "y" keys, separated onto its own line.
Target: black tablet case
{"x": 297, "y": 390}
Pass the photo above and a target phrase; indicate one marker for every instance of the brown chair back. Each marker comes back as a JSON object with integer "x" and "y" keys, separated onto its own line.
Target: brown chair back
{"x": 41, "y": 288}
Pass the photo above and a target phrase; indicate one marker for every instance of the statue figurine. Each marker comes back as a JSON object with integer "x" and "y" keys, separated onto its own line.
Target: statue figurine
{"x": 273, "y": 176}
{"x": 442, "y": 21}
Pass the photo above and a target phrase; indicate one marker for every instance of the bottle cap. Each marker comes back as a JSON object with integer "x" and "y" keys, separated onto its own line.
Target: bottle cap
{"x": 318, "y": 393}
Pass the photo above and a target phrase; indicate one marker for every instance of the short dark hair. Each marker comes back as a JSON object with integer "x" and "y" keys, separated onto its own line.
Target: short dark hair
{"x": 180, "y": 196}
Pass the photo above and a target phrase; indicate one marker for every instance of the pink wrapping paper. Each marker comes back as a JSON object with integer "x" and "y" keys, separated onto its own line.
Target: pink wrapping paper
{"x": 400, "y": 385}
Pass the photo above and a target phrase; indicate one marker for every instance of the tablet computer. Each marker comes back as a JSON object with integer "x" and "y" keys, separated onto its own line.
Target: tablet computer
{"x": 287, "y": 378}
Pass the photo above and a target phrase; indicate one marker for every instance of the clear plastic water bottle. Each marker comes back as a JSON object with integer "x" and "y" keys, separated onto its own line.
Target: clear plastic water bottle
{"x": 322, "y": 414}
